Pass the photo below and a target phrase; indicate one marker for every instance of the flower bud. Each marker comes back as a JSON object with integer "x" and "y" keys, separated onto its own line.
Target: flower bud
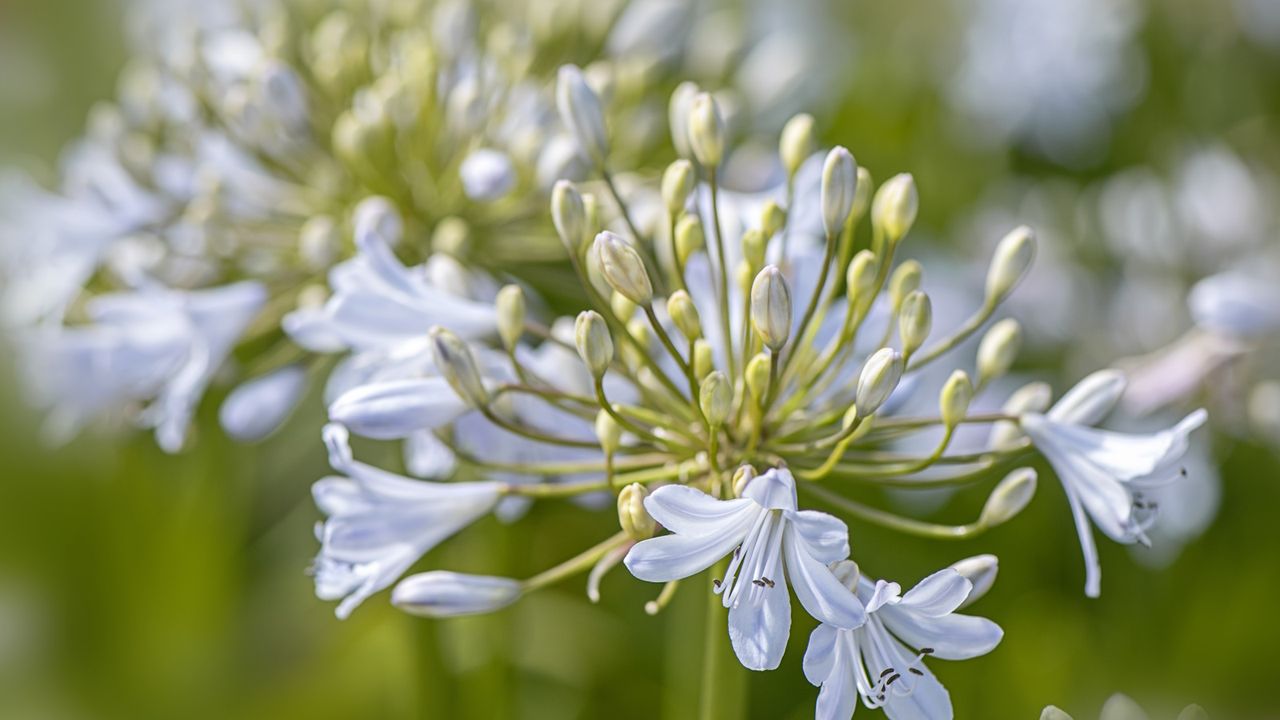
{"x": 706, "y": 131}
{"x": 623, "y": 268}
{"x": 860, "y": 279}
{"x": 677, "y": 185}
{"x": 998, "y": 350}
{"x": 569, "y": 215}
{"x": 1009, "y": 263}
{"x": 741, "y": 478}
{"x": 1193, "y": 712}
{"x": 771, "y": 308}
{"x": 591, "y": 211}
{"x": 980, "y": 571}
{"x": 510, "y": 305}
{"x": 678, "y": 117}
{"x": 623, "y": 309}
{"x": 703, "y": 363}
{"x": 906, "y": 279}
{"x": 796, "y": 143}
{"x": 847, "y": 572}
{"x": 1009, "y": 498}
{"x": 758, "y": 376}
{"x": 879, "y": 378}
{"x": 715, "y": 396}
{"x": 454, "y": 361}
{"x": 683, "y": 313}
{"x": 581, "y": 113}
{"x": 839, "y": 185}
{"x": 893, "y": 210}
{"x": 634, "y": 520}
{"x": 689, "y": 237}
{"x": 595, "y": 346}
{"x": 772, "y": 219}
{"x": 953, "y": 402}
{"x": 915, "y": 321}
{"x": 1121, "y": 707}
{"x": 440, "y": 593}
{"x": 861, "y": 195}
{"x": 608, "y": 432}
{"x": 753, "y": 248}
{"x": 1054, "y": 713}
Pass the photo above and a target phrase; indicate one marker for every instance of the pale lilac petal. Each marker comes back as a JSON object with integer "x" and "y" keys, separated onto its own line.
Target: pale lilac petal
{"x": 820, "y": 655}
{"x": 817, "y": 589}
{"x": 775, "y": 490}
{"x": 1091, "y": 398}
{"x": 686, "y": 510}
{"x": 760, "y": 624}
{"x": 939, "y": 594}
{"x": 673, "y": 557}
{"x": 952, "y": 637}
{"x": 826, "y": 536}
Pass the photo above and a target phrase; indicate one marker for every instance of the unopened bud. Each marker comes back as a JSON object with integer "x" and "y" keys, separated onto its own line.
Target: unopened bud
{"x": 848, "y": 573}
{"x": 796, "y": 143}
{"x": 689, "y": 238}
{"x": 1009, "y": 498}
{"x": 595, "y": 346}
{"x": 623, "y": 268}
{"x": 772, "y": 218}
{"x": 677, "y": 184}
{"x": 1193, "y": 712}
{"x": 879, "y": 378}
{"x": 678, "y": 117}
{"x": 741, "y": 478}
{"x": 454, "y": 361}
{"x": 591, "y": 210}
{"x": 839, "y": 185}
{"x": 569, "y": 215}
{"x": 703, "y": 363}
{"x": 771, "y": 308}
{"x": 906, "y": 279}
{"x": 893, "y": 210}
{"x": 758, "y": 376}
{"x": 715, "y": 396}
{"x": 998, "y": 349}
{"x": 581, "y": 113}
{"x": 915, "y": 321}
{"x": 510, "y": 305}
{"x": 980, "y": 571}
{"x": 440, "y": 593}
{"x": 632, "y": 517}
{"x": 1054, "y": 713}
{"x": 753, "y": 247}
{"x": 608, "y": 432}
{"x": 1009, "y": 263}
{"x": 862, "y": 195}
{"x": 623, "y": 309}
{"x": 953, "y": 402}
{"x": 706, "y": 131}
{"x": 860, "y": 279}
{"x": 683, "y": 313}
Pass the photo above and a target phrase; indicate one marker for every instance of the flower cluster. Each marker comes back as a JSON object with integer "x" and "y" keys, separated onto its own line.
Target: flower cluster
{"x": 743, "y": 351}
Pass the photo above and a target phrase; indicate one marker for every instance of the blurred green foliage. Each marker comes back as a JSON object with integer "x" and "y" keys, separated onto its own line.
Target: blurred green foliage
{"x": 139, "y": 585}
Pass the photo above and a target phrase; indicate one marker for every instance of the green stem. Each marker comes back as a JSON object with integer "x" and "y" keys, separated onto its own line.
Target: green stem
{"x": 578, "y": 564}
{"x": 895, "y": 522}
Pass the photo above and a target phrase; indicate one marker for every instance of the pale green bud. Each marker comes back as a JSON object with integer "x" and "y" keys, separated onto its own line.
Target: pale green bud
{"x": 998, "y": 349}
{"x": 847, "y": 572}
{"x": 591, "y": 211}
{"x": 715, "y": 396}
{"x": 893, "y": 210}
{"x": 1193, "y": 712}
{"x": 608, "y": 432}
{"x": 677, "y": 185}
{"x": 1009, "y": 498}
{"x": 623, "y": 268}
{"x": 1053, "y": 713}
{"x": 511, "y": 308}
{"x": 753, "y": 247}
{"x": 1121, "y": 707}
{"x": 796, "y": 143}
{"x": 879, "y": 378}
{"x": 703, "y": 362}
{"x": 634, "y": 520}
{"x": 905, "y": 280}
{"x": 980, "y": 571}
{"x": 454, "y": 361}
{"x": 623, "y": 309}
{"x": 1010, "y": 262}
{"x": 772, "y": 218}
{"x": 595, "y": 346}
{"x": 862, "y": 195}
{"x": 706, "y": 131}
{"x": 860, "y": 279}
{"x": 689, "y": 237}
{"x": 743, "y": 276}
{"x": 581, "y": 113}
{"x": 639, "y": 329}
{"x": 451, "y": 236}
{"x": 758, "y": 376}
{"x": 569, "y": 215}
{"x": 684, "y": 314}
{"x": 839, "y": 185}
{"x": 741, "y": 477}
{"x": 678, "y": 116}
{"x": 953, "y": 402}
{"x": 319, "y": 242}
{"x": 771, "y": 308}
{"x": 915, "y": 321}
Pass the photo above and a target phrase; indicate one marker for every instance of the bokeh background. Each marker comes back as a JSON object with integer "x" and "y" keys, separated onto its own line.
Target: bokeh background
{"x": 1140, "y": 138}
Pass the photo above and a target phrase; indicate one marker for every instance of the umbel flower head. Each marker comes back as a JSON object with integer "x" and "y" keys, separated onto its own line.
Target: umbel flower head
{"x": 741, "y": 357}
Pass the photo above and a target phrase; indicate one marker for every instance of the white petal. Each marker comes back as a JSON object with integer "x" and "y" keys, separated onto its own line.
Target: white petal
{"x": 1121, "y": 707}
{"x": 685, "y": 510}
{"x": 1091, "y": 399}
{"x": 952, "y": 637}
{"x": 939, "y": 594}
{"x": 838, "y": 698}
{"x": 818, "y": 590}
{"x": 928, "y": 700}
{"x": 820, "y": 655}
{"x": 256, "y": 408}
{"x": 396, "y": 409}
{"x": 425, "y": 456}
{"x": 760, "y": 624}
{"x": 775, "y": 490}
{"x": 449, "y": 594}
{"x": 884, "y": 593}
{"x": 826, "y": 536}
{"x": 673, "y": 557}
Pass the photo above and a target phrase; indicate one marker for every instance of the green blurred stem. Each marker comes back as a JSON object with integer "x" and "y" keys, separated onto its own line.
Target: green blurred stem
{"x": 578, "y": 564}
{"x": 889, "y": 520}
{"x": 723, "y": 296}
{"x": 723, "y": 679}
{"x": 960, "y": 335}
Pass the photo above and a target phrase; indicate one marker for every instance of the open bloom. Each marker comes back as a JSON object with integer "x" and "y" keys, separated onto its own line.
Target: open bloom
{"x": 1105, "y": 473}
{"x": 883, "y": 661}
{"x": 771, "y": 542}
{"x": 380, "y": 523}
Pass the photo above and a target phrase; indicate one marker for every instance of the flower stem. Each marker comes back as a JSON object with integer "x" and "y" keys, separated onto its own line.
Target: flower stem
{"x": 723, "y": 681}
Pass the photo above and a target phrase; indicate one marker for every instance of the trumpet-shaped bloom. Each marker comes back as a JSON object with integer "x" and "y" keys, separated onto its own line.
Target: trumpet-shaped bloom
{"x": 771, "y": 543}
{"x": 1105, "y": 473}
{"x": 440, "y": 593}
{"x": 883, "y": 661}
{"x": 380, "y": 523}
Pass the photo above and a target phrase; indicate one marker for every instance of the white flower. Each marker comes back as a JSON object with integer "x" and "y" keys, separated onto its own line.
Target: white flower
{"x": 396, "y": 409}
{"x": 771, "y": 542}
{"x": 447, "y": 594}
{"x": 258, "y": 407}
{"x": 1105, "y": 474}
{"x": 380, "y": 523}
{"x": 883, "y": 661}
